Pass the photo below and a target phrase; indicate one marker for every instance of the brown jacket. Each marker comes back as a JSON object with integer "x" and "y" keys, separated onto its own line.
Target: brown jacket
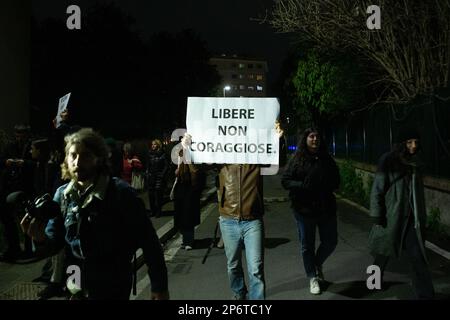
{"x": 241, "y": 191}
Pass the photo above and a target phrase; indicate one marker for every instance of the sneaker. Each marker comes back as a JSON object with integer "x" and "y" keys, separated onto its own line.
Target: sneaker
{"x": 187, "y": 247}
{"x": 314, "y": 286}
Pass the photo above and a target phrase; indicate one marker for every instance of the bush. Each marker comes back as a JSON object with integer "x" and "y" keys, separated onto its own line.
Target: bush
{"x": 434, "y": 221}
{"x": 352, "y": 184}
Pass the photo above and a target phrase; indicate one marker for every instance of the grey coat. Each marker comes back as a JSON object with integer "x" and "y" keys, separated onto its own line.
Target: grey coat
{"x": 397, "y": 196}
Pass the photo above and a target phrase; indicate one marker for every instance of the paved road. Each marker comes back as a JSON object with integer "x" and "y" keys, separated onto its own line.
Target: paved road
{"x": 345, "y": 270}
{"x": 189, "y": 279}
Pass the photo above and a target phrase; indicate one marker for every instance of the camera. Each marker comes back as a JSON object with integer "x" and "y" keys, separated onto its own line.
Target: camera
{"x": 43, "y": 208}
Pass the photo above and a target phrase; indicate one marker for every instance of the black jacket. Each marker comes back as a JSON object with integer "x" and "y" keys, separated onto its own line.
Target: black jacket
{"x": 103, "y": 237}
{"x": 156, "y": 169}
{"x": 311, "y": 182}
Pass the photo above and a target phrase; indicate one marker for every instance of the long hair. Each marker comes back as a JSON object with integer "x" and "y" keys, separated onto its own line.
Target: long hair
{"x": 94, "y": 143}
{"x": 158, "y": 143}
{"x": 302, "y": 151}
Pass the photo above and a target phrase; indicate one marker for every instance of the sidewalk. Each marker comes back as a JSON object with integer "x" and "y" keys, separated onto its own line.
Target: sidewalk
{"x": 16, "y": 279}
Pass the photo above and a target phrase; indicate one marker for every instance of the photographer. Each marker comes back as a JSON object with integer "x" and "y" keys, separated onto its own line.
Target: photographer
{"x": 104, "y": 224}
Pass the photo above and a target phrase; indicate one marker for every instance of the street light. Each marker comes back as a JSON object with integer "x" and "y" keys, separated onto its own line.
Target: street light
{"x": 226, "y": 88}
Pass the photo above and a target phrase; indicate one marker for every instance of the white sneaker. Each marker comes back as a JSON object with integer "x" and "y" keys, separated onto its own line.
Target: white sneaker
{"x": 188, "y": 247}
{"x": 314, "y": 286}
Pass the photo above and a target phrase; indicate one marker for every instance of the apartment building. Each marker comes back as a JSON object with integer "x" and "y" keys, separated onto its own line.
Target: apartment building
{"x": 241, "y": 76}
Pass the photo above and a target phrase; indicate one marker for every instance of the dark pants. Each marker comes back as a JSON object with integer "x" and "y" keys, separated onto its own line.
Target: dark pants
{"x": 188, "y": 236}
{"x": 327, "y": 226}
{"x": 155, "y": 199}
{"x": 419, "y": 272}
{"x": 9, "y": 214}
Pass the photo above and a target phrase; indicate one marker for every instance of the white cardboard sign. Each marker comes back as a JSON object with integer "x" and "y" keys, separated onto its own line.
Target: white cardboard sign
{"x": 62, "y": 105}
{"x": 233, "y": 130}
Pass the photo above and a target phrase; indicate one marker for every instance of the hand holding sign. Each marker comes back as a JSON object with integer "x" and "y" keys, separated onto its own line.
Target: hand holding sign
{"x": 62, "y": 107}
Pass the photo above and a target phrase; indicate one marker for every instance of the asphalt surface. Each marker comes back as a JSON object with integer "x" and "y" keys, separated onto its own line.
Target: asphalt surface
{"x": 191, "y": 279}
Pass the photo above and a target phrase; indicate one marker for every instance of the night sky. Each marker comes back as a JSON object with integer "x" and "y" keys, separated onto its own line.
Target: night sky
{"x": 224, "y": 24}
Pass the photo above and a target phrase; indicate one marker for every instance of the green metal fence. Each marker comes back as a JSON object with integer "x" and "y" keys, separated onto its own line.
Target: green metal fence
{"x": 366, "y": 135}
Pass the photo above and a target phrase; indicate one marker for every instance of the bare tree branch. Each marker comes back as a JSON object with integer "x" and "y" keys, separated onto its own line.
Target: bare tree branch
{"x": 411, "y": 50}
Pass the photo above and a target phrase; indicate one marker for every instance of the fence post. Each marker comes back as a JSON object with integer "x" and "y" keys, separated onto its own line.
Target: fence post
{"x": 346, "y": 141}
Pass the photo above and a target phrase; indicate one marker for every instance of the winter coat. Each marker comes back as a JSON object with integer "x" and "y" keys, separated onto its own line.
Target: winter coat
{"x": 397, "y": 196}
{"x": 103, "y": 231}
{"x": 190, "y": 183}
{"x": 311, "y": 181}
{"x": 130, "y": 165}
{"x": 241, "y": 191}
{"x": 156, "y": 169}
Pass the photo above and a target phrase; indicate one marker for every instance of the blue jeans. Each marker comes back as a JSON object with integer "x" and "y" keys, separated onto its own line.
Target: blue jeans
{"x": 306, "y": 226}
{"x": 249, "y": 234}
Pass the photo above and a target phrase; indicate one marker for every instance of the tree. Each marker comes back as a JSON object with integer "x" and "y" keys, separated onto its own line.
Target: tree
{"x": 324, "y": 88}
{"x": 409, "y": 56}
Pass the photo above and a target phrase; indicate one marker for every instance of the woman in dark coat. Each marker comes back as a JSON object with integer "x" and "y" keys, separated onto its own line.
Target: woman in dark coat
{"x": 397, "y": 206}
{"x": 157, "y": 166}
{"x": 311, "y": 176}
{"x": 188, "y": 188}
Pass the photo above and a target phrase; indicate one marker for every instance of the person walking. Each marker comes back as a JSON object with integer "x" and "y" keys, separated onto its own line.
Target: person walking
{"x": 311, "y": 176}
{"x": 190, "y": 181}
{"x": 397, "y": 206}
{"x": 157, "y": 167}
{"x": 103, "y": 223}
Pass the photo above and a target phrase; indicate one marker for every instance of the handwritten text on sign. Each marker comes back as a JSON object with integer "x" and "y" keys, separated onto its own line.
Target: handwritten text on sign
{"x": 233, "y": 130}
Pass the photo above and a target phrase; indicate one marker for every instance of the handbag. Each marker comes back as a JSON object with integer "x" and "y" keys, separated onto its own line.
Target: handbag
{"x": 137, "y": 181}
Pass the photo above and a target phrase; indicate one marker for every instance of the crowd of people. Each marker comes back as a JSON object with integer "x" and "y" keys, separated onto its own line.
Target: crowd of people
{"x": 95, "y": 188}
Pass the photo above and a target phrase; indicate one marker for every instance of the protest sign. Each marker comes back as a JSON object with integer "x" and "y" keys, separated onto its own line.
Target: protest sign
{"x": 63, "y": 102}
{"x": 233, "y": 130}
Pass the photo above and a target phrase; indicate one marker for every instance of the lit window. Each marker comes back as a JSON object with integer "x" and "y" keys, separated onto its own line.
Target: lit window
{"x": 251, "y": 76}
{"x": 241, "y": 76}
{"x": 259, "y": 88}
{"x": 259, "y": 77}
{"x": 241, "y": 87}
{"x": 241, "y": 66}
{"x": 251, "y": 88}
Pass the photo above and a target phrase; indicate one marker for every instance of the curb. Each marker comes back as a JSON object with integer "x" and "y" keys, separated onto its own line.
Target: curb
{"x": 428, "y": 244}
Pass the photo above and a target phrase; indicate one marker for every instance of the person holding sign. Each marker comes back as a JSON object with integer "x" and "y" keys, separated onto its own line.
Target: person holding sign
{"x": 241, "y": 209}
{"x": 311, "y": 177}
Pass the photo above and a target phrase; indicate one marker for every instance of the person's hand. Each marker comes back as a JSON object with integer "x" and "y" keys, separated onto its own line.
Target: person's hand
{"x": 379, "y": 221}
{"x": 186, "y": 141}
{"x": 278, "y": 129}
{"x": 160, "y": 295}
{"x": 10, "y": 162}
{"x": 34, "y": 228}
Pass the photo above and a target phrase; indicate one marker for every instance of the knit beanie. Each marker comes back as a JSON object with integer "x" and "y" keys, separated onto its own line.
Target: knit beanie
{"x": 408, "y": 133}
